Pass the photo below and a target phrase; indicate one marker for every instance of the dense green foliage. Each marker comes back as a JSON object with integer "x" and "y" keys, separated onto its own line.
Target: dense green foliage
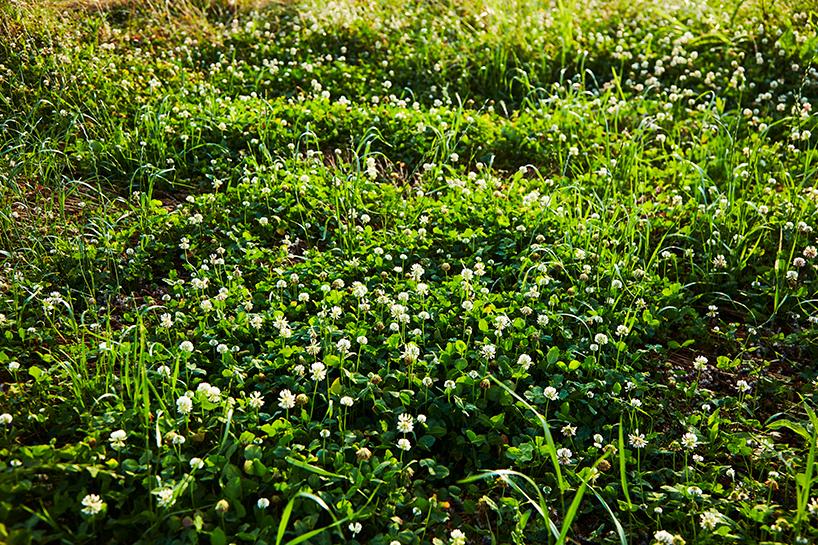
{"x": 408, "y": 272}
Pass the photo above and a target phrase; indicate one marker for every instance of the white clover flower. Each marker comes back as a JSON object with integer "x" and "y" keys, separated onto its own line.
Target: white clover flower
{"x": 164, "y": 497}
{"x": 489, "y": 351}
{"x": 564, "y": 456}
{"x": 359, "y": 290}
{"x": 343, "y": 346}
{"x": 213, "y": 394}
{"x": 405, "y": 423}
{"x": 256, "y": 321}
{"x": 710, "y": 519}
{"x": 196, "y": 463}
{"x": 404, "y": 444}
{"x": 690, "y": 441}
{"x": 449, "y": 385}
{"x": 601, "y": 339}
{"x": 92, "y": 505}
{"x": 457, "y": 537}
{"x": 411, "y": 352}
{"x": 184, "y": 405}
{"x": 363, "y": 454}
{"x": 550, "y": 393}
{"x": 263, "y": 503}
{"x": 5, "y": 419}
{"x": 286, "y": 399}
{"x": 319, "y": 371}
{"x": 255, "y": 400}
{"x": 663, "y": 537}
{"x": 347, "y": 401}
{"x": 117, "y": 439}
{"x": 186, "y": 346}
{"x": 524, "y": 361}
{"x": 397, "y": 310}
{"x": 502, "y": 321}
{"x": 637, "y": 440}
{"x": 355, "y": 528}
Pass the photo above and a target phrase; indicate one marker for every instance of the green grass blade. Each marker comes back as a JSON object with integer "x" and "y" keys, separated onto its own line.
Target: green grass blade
{"x": 806, "y": 485}
{"x": 623, "y": 476}
{"x": 571, "y": 514}
{"x": 315, "y": 469}
{"x": 552, "y": 448}
{"x": 311, "y": 534}
{"x": 285, "y": 520}
{"x": 540, "y": 506}
{"x": 287, "y": 514}
{"x": 620, "y": 531}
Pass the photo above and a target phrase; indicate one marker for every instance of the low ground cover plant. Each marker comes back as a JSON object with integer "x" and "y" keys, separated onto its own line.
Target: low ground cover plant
{"x": 414, "y": 273}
